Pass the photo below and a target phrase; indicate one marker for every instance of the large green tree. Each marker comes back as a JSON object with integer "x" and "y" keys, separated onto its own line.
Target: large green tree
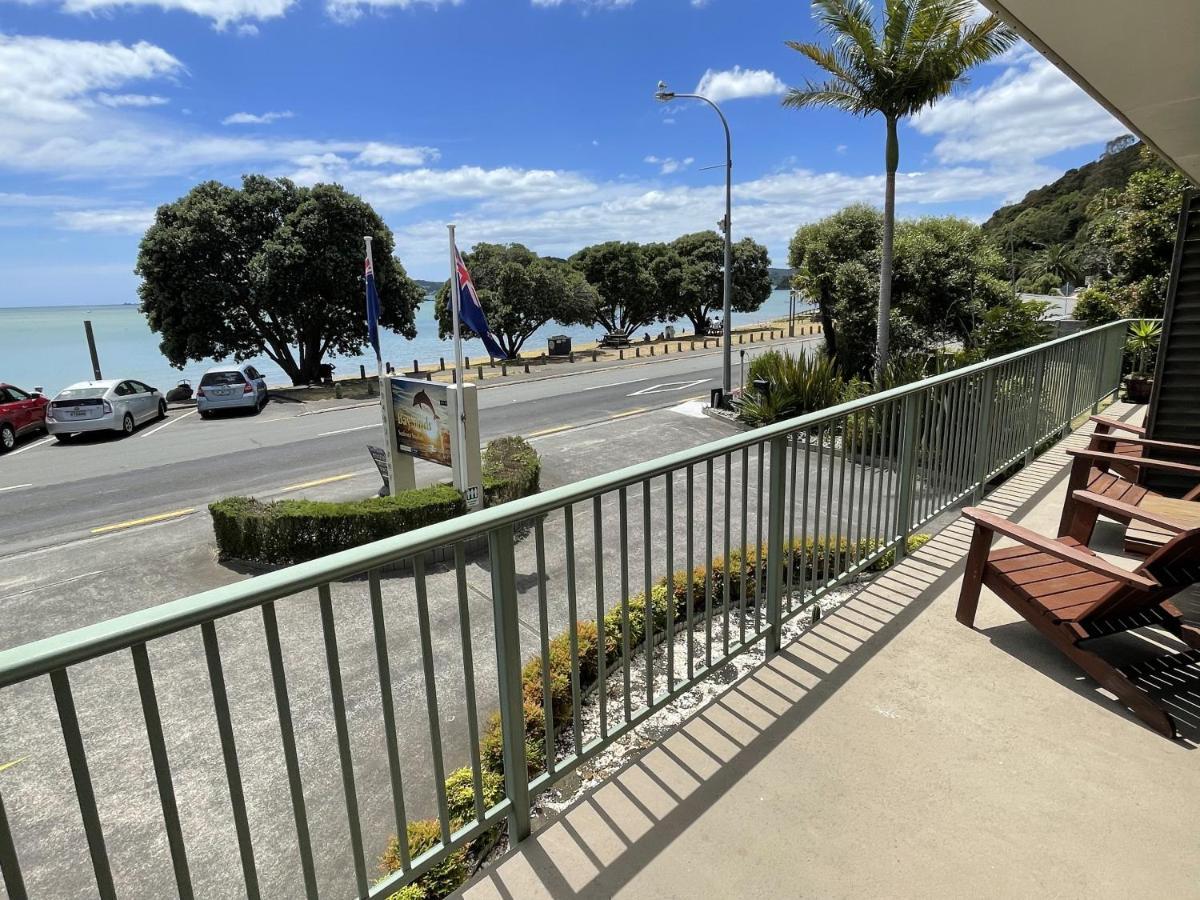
{"x": 893, "y": 66}
{"x": 627, "y": 295}
{"x": 1054, "y": 263}
{"x": 690, "y": 279}
{"x": 520, "y": 292}
{"x": 269, "y": 268}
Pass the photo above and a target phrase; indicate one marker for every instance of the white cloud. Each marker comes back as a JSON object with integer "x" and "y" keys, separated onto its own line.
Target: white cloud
{"x": 737, "y": 83}
{"x": 245, "y": 118}
{"x": 46, "y": 79}
{"x": 221, "y": 12}
{"x": 349, "y": 10}
{"x": 376, "y": 154}
{"x": 118, "y": 100}
{"x": 122, "y": 220}
{"x": 669, "y": 165}
{"x": 1031, "y": 111}
{"x": 587, "y": 4}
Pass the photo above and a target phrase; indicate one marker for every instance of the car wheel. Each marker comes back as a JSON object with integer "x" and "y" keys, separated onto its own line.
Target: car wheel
{"x": 127, "y": 424}
{"x": 162, "y": 409}
{"x": 8, "y": 438}
{"x": 205, "y": 414}
{"x": 62, "y": 438}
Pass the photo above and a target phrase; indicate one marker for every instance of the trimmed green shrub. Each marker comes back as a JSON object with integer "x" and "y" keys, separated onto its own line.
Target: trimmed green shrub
{"x": 439, "y": 881}
{"x": 800, "y": 384}
{"x": 511, "y": 470}
{"x": 291, "y": 531}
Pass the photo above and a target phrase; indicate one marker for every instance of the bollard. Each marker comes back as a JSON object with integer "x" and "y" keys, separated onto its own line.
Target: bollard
{"x": 620, "y": 354}
{"x": 594, "y": 355}
{"x": 416, "y": 367}
{"x": 503, "y": 368}
{"x": 666, "y": 349}
{"x": 429, "y": 376}
{"x": 466, "y": 362}
{"x": 740, "y": 336}
{"x": 679, "y": 347}
{"x": 527, "y": 368}
{"x": 752, "y": 337}
{"x": 492, "y": 362}
{"x": 637, "y": 351}
{"x": 571, "y": 356}
{"x": 454, "y": 376}
{"x": 651, "y": 349}
{"x": 362, "y": 373}
{"x": 371, "y": 385}
{"x": 693, "y": 345}
{"x": 481, "y": 372}
{"x": 441, "y": 364}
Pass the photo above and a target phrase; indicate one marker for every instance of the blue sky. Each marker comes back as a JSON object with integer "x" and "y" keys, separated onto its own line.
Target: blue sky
{"x": 521, "y": 120}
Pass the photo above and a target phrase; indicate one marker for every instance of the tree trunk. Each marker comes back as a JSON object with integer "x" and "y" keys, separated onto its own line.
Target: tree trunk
{"x": 883, "y": 329}
{"x": 825, "y": 312}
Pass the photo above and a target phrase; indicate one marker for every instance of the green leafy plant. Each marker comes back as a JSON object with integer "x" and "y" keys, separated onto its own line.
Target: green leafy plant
{"x": 1142, "y": 344}
{"x": 798, "y": 384}
{"x": 511, "y": 469}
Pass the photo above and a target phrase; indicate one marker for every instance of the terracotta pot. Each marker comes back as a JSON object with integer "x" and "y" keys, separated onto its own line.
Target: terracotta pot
{"x": 1137, "y": 388}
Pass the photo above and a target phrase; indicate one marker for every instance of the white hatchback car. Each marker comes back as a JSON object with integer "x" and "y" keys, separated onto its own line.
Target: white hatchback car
{"x": 103, "y": 406}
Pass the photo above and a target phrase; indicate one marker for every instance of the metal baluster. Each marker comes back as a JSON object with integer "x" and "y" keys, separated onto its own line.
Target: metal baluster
{"x": 860, "y": 518}
{"x": 625, "y": 636}
{"x": 727, "y": 592}
{"x": 648, "y": 579}
{"x": 830, "y": 537}
{"x": 237, "y": 799}
{"x": 904, "y": 498}
{"x": 671, "y": 601}
{"x": 817, "y": 560}
{"x": 345, "y": 757}
{"x": 870, "y": 519}
{"x": 849, "y": 448}
{"x": 287, "y": 734}
{"x": 805, "y": 557}
{"x": 790, "y": 549}
{"x": 431, "y": 700}
{"x": 539, "y": 543}
{"x": 10, "y": 866}
{"x": 508, "y": 670}
{"x": 708, "y": 567}
{"x": 691, "y": 568}
{"x": 601, "y": 634}
{"x": 776, "y": 500}
{"x": 464, "y": 624}
{"x": 162, "y": 768}
{"x": 759, "y": 582}
{"x": 573, "y": 618}
{"x": 745, "y": 547}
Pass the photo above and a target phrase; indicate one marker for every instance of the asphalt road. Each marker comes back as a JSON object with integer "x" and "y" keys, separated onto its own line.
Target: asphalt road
{"x": 52, "y": 493}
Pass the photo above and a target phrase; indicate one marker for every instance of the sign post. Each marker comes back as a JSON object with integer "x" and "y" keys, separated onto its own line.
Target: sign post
{"x": 403, "y": 475}
{"x": 468, "y": 465}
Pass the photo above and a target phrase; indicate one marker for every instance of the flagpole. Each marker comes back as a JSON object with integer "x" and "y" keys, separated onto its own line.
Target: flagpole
{"x": 460, "y": 426}
{"x": 385, "y": 392}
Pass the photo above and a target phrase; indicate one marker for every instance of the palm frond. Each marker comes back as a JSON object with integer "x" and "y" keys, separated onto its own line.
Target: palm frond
{"x": 850, "y": 21}
{"x": 834, "y": 94}
{"x": 836, "y": 61}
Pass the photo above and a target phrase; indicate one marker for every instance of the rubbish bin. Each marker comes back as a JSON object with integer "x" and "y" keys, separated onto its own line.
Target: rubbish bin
{"x": 560, "y": 345}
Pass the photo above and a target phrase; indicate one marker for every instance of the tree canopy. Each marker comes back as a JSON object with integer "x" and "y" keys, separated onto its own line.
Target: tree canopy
{"x": 689, "y": 273}
{"x": 269, "y": 268}
{"x": 520, "y": 292}
{"x": 627, "y": 294}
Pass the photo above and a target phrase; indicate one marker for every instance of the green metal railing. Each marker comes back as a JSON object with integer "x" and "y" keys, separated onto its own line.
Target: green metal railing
{"x": 234, "y": 718}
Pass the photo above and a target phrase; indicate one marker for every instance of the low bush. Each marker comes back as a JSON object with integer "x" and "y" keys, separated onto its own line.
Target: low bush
{"x": 799, "y": 384}
{"x": 439, "y": 881}
{"x": 511, "y": 469}
{"x": 291, "y": 531}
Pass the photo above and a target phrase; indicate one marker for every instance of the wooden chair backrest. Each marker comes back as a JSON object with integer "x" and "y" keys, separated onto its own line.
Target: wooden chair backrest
{"x": 1175, "y": 566}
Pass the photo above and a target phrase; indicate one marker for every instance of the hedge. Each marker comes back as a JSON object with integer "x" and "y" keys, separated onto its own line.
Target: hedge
{"x": 511, "y": 469}
{"x": 808, "y": 560}
{"x": 291, "y": 531}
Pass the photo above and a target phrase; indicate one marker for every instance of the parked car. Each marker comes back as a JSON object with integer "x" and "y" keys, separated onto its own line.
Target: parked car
{"x": 231, "y": 387}
{"x": 109, "y": 405}
{"x": 20, "y": 413}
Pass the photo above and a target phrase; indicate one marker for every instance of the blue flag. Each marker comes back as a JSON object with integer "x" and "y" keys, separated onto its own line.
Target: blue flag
{"x": 470, "y": 310}
{"x": 372, "y": 309}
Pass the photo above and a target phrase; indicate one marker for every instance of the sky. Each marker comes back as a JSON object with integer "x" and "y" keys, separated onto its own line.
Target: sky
{"x": 519, "y": 120}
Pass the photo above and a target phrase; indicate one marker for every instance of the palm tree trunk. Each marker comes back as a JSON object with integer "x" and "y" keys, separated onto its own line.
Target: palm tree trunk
{"x": 883, "y": 329}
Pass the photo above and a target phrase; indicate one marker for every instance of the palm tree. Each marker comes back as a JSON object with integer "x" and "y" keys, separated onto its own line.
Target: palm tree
{"x": 919, "y": 53}
{"x": 1055, "y": 261}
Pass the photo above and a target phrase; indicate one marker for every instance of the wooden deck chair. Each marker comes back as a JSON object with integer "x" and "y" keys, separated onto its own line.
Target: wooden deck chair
{"x": 1130, "y": 449}
{"x": 1096, "y": 473}
{"x": 1073, "y": 596}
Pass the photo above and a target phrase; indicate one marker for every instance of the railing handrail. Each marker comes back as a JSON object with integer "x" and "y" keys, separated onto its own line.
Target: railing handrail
{"x": 90, "y": 641}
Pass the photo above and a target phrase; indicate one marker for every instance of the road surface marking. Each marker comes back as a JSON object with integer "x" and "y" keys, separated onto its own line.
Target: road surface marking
{"x": 329, "y": 409}
{"x": 44, "y": 440}
{"x": 168, "y": 422}
{"x": 173, "y": 514}
{"x": 14, "y": 487}
{"x": 348, "y": 430}
{"x": 596, "y": 387}
{"x": 319, "y": 481}
{"x": 630, "y": 412}
{"x": 9, "y": 765}
{"x": 546, "y": 431}
{"x": 665, "y": 386}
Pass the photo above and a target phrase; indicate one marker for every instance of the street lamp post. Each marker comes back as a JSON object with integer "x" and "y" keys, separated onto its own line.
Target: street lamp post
{"x": 665, "y": 96}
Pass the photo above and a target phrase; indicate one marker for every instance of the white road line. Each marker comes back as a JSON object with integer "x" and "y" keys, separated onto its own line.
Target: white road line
{"x": 665, "y": 386}
{"x": 14, "y": 487}
{"x": 596, "y": 387}
{"x": 348, "y": 430}
{"x": 45, "y": 440}
{"x": 168, "y": 422}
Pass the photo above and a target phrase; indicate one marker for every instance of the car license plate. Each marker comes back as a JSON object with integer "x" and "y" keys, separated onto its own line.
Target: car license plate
{"x": 78, "y": 413}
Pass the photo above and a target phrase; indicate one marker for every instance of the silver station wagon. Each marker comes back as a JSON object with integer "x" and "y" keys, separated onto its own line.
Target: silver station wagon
{"x": 231, "y": 387}
{"x": 111, "y": 405}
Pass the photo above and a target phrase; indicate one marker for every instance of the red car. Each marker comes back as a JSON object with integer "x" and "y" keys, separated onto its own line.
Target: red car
{"x": 20, "y": 413}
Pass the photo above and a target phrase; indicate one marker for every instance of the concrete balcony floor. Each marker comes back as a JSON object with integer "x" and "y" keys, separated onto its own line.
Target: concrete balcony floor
{"x": 893, "y": 752}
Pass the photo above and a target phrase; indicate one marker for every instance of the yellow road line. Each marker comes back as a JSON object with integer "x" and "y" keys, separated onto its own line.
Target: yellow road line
{"x": 546, "y": 431}
{"x": 630, "y": 412}
{"x": 319, "y": 481}
{"x": 173, "y": 514}
{"x": 9, "y": 765}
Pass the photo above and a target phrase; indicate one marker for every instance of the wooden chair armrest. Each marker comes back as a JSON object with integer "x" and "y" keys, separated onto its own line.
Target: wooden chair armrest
{"x": 1126, "y": 509}
{"x": 1139, "y": 462}
{"x": 1082, "y": 558}
{"x": 1117, "y": 424}
{"x": 1147, "y": 442}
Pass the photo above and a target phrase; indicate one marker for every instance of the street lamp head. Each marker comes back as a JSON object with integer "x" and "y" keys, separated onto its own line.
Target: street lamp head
{"x": 662, "y": 94}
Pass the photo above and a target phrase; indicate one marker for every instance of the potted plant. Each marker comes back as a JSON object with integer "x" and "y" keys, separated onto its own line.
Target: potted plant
{"x": 1142, "y": 344}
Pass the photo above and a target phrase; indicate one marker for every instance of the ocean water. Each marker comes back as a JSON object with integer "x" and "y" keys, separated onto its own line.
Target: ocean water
{"x": 46, "y": 346}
